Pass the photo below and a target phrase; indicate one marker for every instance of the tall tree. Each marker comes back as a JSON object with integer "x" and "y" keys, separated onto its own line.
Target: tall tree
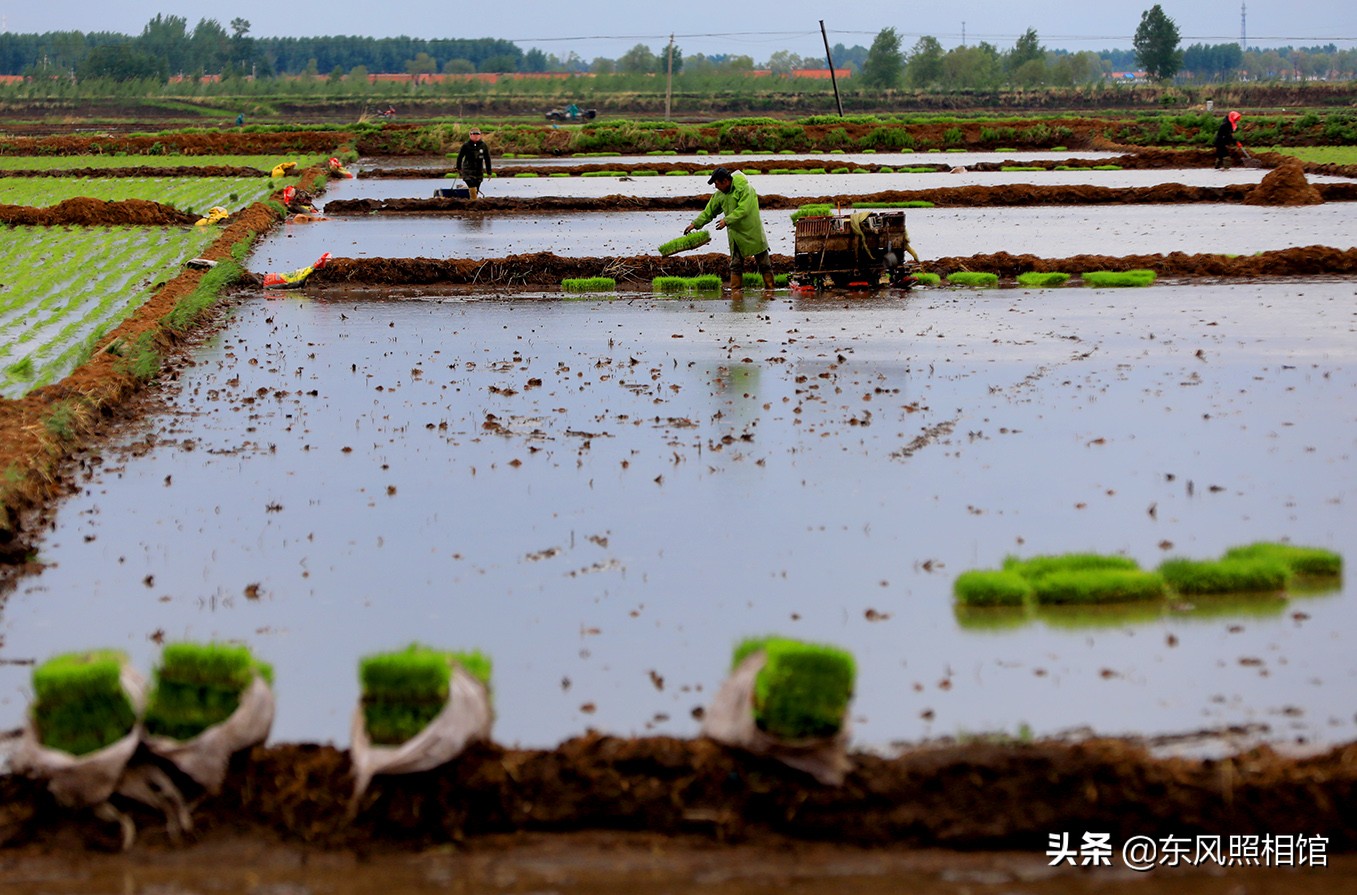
{"x": 638, "y": 61}
{"x": 1026, "y": 62}
{"x": 925, "y": 63}
{"x": 1156, "y": 44}
{"x": 884, "y": 63}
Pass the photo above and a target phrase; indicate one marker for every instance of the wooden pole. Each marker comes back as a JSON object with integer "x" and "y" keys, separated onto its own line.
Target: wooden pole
{"x": 838, "y": 103}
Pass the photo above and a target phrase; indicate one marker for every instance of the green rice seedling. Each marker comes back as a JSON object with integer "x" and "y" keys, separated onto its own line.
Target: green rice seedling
{"x": 603, "y": 174}
{"x": 836, "y": 152}
{"x": 912, "y": 203}
{"x": 198, "y": 686}
{"x": 1005, "y": 149}
{"x": 974, "y": 278}
{"x": 915, "y": 169}
{"x": 559, "y": 174}
{"x": 1107, "y": 167}
{"x": 1033, "y": 279}
{"x": 589, "y": 284}
{"x": 707, "y": 282}
{"x": 1021, "y": 168}
{"x": 754, "y": 278}
{"x": 1092, "y": 586}
{"x": 1108, "y": 279}
{"x": 1059, "y": 149}
{"x": 803, "y": 689}
{"x": 813, "y": 171}
{"x": 781, "y": 171}
{"x": 676, "y": 173}
{"x": 839, "y": 170}
{"x": 1225, "y": 576}
{"x": 786, "y": 152}
{"x": 926, "y": 279}
{"x": 685, "y": 242}
{"x": 80, "y": 705}
{"x": 669, "y": 284}
{"x": 1037, "y": 566}
{"x": 645, "y": 172}
{"x": 861, "y": 171}
{"x": 988, "y": 587}
{"x": 813, "y": 210}
{"x": 528, "y": 174}
{"x": 1308, "y": 561}
{"x": 885, "y": 169}
{"x": 403, "y": 691}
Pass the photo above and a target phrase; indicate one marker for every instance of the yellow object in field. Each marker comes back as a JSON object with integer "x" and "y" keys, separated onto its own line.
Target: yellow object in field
{"x": 217, "y": 213}
{"x": 282, "y": 168}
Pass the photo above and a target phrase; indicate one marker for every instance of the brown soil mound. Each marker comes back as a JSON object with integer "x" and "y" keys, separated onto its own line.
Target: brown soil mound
{"x": 83, "y": 211}
{"x": 142, "y": 171}
{"x": 960, "y": 796}
{"x": 547, "y": 269}
{"x": 1008, "y": 195}
{"x": 1285, "y": 185}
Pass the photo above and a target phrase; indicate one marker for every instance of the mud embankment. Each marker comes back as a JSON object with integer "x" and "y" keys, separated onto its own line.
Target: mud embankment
{"x": 85, "y": 212}
{"x": 546, "y": 269}
{"x": 142, "y": 171}
{"x": 960, "y": 796}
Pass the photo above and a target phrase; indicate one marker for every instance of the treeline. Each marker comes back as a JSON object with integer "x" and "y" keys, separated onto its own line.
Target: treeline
{"x": 168, "y": 48}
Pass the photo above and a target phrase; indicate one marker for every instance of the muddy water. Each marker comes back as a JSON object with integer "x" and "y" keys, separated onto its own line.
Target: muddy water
{"x": 895, "y": 159}
{"x": 605, "y": 496}
{"x": 934, "y": 232}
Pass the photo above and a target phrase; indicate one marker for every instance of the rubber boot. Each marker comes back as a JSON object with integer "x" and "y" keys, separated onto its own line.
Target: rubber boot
{"x": 737, "y": 282}
{"x": 474, "y": 190}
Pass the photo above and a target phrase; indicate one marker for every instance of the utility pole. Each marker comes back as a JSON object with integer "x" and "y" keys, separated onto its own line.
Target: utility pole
{"x": 838, "y": 103}
{"x": 963, "y": 32}
{"x": 669, "y": 82}
{"x": 1243, "y": 33}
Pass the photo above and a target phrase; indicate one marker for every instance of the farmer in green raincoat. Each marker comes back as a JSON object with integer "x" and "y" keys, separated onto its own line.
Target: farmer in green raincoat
{"x": 736, "y": 200}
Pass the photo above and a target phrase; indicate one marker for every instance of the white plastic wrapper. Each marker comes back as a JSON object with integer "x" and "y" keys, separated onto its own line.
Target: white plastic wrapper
{"x": 79, "y": 781}
{"x": 205, "y": 757}
{"x": 466, "y": 718}
{"x": 729, "y": 720}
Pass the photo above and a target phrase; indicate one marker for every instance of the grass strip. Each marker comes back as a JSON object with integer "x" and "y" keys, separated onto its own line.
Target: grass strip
{"x": 803, "y": 689}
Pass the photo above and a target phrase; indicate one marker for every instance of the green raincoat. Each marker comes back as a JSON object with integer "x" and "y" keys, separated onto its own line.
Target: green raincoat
{"x": 741, "y": 209}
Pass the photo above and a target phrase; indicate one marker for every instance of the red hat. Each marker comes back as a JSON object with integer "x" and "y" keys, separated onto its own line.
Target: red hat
{"x": 1234, "y": 119}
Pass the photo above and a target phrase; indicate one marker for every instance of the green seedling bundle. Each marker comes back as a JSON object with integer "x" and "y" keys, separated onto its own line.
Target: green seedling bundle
{"x": 589, "y": 284}
{"x": 1225, "y": 576}
{"x": 756, "y": 279}
{"x": 1315, "y": 562}
{"x": 198, "y": 686}
{"x": 685, "y": 242}
{"x": 813, "y": 210}
{"x": 707, "y": 282}
{"x": 927, "y": 279}
{"x": 992, "y": 587}
{"x": 405, "y": 690}
{"x": 1033, "y": 279}
{"x": 1105, "y": 279}
{"x": 803, "y": 689}
{"x": 80, "y": 705}
{"x": 973, "y": 278}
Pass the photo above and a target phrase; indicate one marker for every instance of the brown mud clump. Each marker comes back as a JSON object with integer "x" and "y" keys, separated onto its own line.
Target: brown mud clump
{"x": 85, "y": 212}
{"x": 1285, "y": 185}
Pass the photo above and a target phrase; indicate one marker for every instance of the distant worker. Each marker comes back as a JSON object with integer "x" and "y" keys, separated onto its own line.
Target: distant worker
{"x": 1226, "y": 140}
{"x": 240, "y": 120}
{"x": 736, "y": 200}
{"x": 473, "y": 162}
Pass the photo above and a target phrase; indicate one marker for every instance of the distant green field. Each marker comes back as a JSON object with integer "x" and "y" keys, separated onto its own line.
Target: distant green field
{"x": 65, "y": 287}
{"x": 64, "y": 162}
{"x": 1323, "y": 155}
{"x": 195, "y": 194}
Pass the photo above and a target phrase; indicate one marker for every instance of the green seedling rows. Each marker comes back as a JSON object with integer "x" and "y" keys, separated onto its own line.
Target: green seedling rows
{"x": 756, "y": 279}
{"x": 707, "y": 282}
{"x": 403, "y": 691}
{"x": 198, "y": 686}
{"x": 193, "y": 194}
{"x": 803, "y": 689}
{"x": 79, "y": 703}
{"x": 64, "y": 288}
{"x": 67, "y": 162}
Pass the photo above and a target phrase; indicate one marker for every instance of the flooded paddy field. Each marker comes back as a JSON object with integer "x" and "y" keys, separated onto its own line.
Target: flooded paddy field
{"x": 605, "y": 496}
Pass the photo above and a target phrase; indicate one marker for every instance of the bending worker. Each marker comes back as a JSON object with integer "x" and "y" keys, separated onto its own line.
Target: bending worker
{"x": 1226, "y": 141}
{"x": 736, "y": 200}
{"x": 473, "y": 162}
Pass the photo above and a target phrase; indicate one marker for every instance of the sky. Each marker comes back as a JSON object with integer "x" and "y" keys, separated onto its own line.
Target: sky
{"x": 755, "y": 28}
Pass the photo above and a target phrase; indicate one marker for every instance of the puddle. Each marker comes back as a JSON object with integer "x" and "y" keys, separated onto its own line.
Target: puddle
{"x": 935, "y": 232}
{"x": 606, "y": 496}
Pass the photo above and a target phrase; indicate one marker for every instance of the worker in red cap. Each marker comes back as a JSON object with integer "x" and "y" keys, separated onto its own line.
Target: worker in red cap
{"x": 1226, "y": 141}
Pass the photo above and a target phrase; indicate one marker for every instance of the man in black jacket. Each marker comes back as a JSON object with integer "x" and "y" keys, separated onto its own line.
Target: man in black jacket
{"x": 473, "y": 162}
